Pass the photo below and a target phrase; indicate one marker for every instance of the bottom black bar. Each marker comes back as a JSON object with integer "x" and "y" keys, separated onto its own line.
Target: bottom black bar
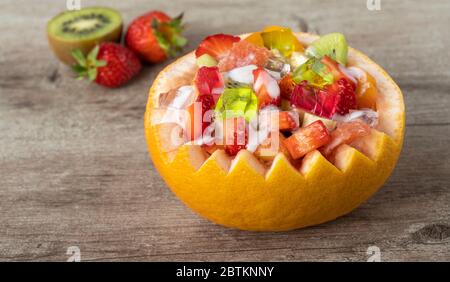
{"x": 226, "y": 271}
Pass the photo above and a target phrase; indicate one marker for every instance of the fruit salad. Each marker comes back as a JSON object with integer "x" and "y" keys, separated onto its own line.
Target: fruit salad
{"x": 268, "y": 94}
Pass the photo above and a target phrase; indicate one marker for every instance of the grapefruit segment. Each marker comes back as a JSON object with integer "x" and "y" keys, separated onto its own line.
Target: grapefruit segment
{"x": 243, "y": 53}
{"x": 366, "y": 91}
{"x": 346, "y": 133}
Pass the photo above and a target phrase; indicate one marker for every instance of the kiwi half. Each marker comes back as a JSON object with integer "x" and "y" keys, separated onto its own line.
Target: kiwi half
{"x": 82, "y": 29}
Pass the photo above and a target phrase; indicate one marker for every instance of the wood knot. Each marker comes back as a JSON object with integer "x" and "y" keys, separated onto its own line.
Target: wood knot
{"x": 302, "y": 24}
{"x": 53, "y": 76}
{"x": 305, "y": 26}
{"x": 432, "y": 233}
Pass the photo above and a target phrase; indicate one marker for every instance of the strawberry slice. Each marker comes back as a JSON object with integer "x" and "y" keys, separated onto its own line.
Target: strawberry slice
{"x": 209, "y": 81}
{"x": 266, "y": 88}
{"x": 346, "y": 86}
{"x": 217, "y": 45}
{"x": 347, "y": 96}
{"x": 307, "y": 139}
{"x": 346, "y": 133}
{"x": 210, "y": 85}
{"x": 236, "y": 136}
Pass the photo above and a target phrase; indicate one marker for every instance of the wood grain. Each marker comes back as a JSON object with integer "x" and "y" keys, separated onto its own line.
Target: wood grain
{"x": 75, "y": 171}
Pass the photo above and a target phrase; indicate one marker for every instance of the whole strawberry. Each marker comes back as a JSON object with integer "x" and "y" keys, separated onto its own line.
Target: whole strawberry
{"x": 155, "y": 36}
{"x": 108, "y": 64}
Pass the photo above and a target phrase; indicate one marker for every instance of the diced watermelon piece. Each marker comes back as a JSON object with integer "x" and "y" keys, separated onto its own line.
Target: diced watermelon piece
{"x": 307, "y": 139}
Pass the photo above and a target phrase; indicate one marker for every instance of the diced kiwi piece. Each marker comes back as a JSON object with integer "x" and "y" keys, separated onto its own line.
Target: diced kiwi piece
{"x": 235, "y": 84}
{"x": 82, "y": 29}
{"x": 333, "y": 45}
{"x": 206, "y": 60}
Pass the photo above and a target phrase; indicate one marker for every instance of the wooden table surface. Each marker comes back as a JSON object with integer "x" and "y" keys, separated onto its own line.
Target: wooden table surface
{"x": 74, "y": 164}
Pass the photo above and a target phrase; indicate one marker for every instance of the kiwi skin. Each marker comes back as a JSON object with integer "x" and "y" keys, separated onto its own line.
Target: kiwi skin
{"x": 63, "y": 48}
